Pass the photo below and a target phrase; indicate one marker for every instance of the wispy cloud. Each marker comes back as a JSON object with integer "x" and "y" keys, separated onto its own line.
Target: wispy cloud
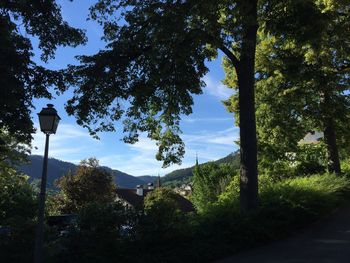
{"x": 224, "y": 137}
{"x": 71, "y": 142}
{"x": 141, "y": 159}
{"x": 193, "y": 120}
{"x": 216, "y": 88}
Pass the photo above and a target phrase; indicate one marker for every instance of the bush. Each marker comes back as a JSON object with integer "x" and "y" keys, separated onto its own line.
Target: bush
{"x": 18, "y": 208}
{"x": 164, "y": 234}
{"x": 285, "y": 206}
{"x": 163, "y": 221}
{"x": 209, "y": 181}
{"x": 102, "y": 218}
{"x": 17, "y": 198}
{"x": 101, "y": 234}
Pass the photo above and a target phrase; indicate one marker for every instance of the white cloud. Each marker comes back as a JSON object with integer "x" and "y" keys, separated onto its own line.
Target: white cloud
{"x": 224, "y": 137}
{"x": 72, "y": 143}
{"x": 193, "y": 120}
{"x": 141, "y": 160}
{"x": 216, "y": 88}
{"x": 212, "y": 145}
{"x": 69, "y": 143}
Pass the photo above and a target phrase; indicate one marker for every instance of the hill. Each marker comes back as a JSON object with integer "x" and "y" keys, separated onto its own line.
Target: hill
{"x": 148, "y": 178}
{"x": 57, "y": 168}
{"x": 181, "y": 176}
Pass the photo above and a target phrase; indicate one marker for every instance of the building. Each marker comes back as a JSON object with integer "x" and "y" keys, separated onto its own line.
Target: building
{"x": 184, "y": 190}
{"x": 135, "y": 197}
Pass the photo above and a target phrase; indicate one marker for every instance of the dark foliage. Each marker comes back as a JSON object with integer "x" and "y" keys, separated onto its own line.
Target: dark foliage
{"x": 21, "y": 79}
{"x": 163, "y": 234}
{"x": 18, "y": 208}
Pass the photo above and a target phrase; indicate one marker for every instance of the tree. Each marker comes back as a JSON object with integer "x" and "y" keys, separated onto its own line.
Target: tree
{"x": 301, "y": 79}
{"x": 88, "y": 184}
{"x": 18, "y": 209}
{"x": 313, "y": 81}
{"x": 209, "y": 181}
{"x": 21, "y": 79}
{"x": 17, "y": 198}
{"x": 155, "y": 59}
{"x": 12, "y": 152}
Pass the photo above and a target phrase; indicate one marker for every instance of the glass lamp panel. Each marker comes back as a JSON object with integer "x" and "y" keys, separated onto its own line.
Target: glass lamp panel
{"x": 46, "y": 123}
{"x": 55, "y": 124}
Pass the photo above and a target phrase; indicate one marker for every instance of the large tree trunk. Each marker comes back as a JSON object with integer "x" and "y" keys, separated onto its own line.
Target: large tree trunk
{"x": 330, "y": 139}
{"x": 332, "y": 149}
{"x": 248, "y": 141}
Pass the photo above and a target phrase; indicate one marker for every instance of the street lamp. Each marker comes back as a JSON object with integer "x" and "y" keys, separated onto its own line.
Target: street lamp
{"x": 49, "y": 120}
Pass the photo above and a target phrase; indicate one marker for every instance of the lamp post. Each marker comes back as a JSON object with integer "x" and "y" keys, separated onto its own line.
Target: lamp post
{"x": 49, "y": 120}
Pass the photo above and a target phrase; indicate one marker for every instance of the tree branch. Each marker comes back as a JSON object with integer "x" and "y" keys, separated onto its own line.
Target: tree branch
{"x": 344, "y": 67}
{"x": 221, "y": 46}
{"x": 230, "y": 55}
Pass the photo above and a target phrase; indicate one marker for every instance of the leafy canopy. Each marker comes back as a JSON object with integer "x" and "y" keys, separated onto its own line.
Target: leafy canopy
{"x": 209, "y": 181}
{"x": 21, "y": 79}
{"x": 153, "y": 63}
{"x": 294, "y": 73}
{"x": 17, "y": 197}
{"x": 89, "y": 183}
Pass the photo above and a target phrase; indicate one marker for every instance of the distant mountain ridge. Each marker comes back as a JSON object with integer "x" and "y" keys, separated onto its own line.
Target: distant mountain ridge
{"x": 57, "y": 168}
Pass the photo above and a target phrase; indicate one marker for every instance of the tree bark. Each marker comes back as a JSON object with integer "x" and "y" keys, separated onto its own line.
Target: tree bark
{"x": 248, "y": 142}
{"x": 333, "y": 161}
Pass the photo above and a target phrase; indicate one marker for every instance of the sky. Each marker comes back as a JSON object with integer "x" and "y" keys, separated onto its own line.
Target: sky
{"x": 209, "y": 131}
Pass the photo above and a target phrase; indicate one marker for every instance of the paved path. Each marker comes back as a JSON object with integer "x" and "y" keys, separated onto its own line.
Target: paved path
{"x": 328, "y": 241}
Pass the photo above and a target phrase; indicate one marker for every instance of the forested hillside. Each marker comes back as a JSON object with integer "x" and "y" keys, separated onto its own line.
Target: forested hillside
{"x": 57, "y": 168}
{"x": 181, "y": 176}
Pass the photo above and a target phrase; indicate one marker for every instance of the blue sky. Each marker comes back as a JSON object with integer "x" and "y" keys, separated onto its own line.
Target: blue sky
{"x": 209, "y": 131}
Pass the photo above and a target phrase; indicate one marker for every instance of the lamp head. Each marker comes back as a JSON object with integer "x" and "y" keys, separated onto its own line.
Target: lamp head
{"x": 49, "y": 119}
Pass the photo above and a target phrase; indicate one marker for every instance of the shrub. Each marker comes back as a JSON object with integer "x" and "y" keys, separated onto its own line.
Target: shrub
{"x": 285, "y": 206}
{"x": 99, "y": 235}
{"x": 209, "y": 181}
{"x": 164, "y": 234}
{"x": 18, "y": 208}
{"x": 162, "y": 219}
{"x": 102, "y": 218}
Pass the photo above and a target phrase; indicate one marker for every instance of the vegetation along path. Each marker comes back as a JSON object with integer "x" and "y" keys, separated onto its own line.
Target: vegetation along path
{"x": 327, "y": 241}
